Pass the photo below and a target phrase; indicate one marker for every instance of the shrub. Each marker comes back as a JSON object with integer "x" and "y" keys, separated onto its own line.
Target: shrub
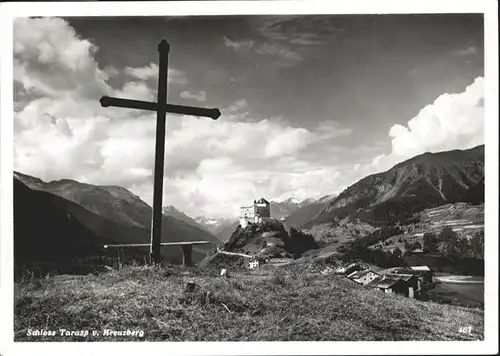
{"x": 279, "y": 277}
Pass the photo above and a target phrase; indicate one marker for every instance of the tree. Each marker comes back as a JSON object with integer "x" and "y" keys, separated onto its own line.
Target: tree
{"x": 387, "y": 258}
{"x": 430, "y": 242}
{"x": 415, "y": 245}
{"x": 449, "y": 237}
{"x": 407, "y": 246}
{"x": 447, "y": 234}
{"x": 464, "y": 247}
{"x": 395, "y": 259}
{"x": 476, "y": 245}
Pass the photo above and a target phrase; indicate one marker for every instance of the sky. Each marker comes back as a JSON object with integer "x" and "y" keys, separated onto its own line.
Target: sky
{"x": 310, "y": 104}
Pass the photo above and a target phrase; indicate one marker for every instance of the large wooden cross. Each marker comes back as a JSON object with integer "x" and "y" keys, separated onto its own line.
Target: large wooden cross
{"x": 161, "y": 107}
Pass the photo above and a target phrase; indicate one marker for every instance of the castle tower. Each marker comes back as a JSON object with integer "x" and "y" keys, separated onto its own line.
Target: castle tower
{"x": 262, "y": 207}
{"x": 259, "y": 211}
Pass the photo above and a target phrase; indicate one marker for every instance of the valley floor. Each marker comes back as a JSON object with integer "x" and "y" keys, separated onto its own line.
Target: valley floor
{"x": 265, "y": 305}
{"x": 458, "y": 290}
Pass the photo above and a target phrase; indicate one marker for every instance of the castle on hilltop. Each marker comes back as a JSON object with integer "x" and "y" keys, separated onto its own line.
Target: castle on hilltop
{"x": 256, "y": 213}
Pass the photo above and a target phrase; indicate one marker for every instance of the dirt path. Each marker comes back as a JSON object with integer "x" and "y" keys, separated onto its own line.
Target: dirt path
{"x": 460, "y": 279}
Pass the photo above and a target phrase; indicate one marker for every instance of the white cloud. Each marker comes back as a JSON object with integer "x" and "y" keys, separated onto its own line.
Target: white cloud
{"x": 111, "y": 71}
{"x": 287, "y": 142}
{"x": 331, "y": 129}
{"x": 211, "y": 167}
{"x": 237, "y": 105}
{"x": 285, "y": 57}
{"x": 471, "y": 50}
{"x": 453, "y": 121}
{"x": 214, "y": 165}
{"x": 239, "y": 46}
{"x": 150, "y": 71}
{"x": 137, "y": 91}
{"x": 51, "y": 61}
{"x": 63, "y": 132}
{"x": 200, "y": 96}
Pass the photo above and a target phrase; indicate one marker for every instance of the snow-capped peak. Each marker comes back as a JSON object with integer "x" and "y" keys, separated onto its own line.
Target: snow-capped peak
{"x": 169, "y": 208}
{"x": 210, "y": 222}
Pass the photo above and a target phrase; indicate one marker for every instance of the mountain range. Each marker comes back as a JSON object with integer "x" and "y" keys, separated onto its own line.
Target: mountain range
{"x": 78, "y": 218}
{"x": 307, "y": 211}
{"x": 212, "y": 224}
{"x": 424, "y": 181}
{"x": 172, "y": 211}
{"x": 51, "y": 215}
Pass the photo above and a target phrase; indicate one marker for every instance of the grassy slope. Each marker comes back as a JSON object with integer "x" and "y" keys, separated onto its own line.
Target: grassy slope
{"x": 458, "y": 216}
{"x": 284, "y": 304}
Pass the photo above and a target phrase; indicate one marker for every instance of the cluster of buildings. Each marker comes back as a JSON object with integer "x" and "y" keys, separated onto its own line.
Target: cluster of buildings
{"x": 408, "y": 281}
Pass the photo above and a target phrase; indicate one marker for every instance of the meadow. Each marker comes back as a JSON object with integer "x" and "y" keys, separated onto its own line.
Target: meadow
{"x": 174, "y": 303}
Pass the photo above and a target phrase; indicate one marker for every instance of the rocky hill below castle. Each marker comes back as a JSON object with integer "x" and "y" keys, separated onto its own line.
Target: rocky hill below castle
{"x": 269, "y": 239}
{"x": 265, "y": 240}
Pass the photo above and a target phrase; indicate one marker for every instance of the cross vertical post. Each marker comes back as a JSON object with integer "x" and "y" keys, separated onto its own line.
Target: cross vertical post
{"x": 156, "y": 221}
{"x": 162, "y": 108}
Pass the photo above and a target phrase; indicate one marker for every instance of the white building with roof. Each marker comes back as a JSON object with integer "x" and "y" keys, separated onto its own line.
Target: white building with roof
{"x": 363, "y": 277}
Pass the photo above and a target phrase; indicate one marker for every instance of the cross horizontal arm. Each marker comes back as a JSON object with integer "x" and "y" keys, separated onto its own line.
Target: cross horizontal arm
{"x": 128, "y": 103}
{"x": 147, "y": 105}
{"x": 194, "y": 111}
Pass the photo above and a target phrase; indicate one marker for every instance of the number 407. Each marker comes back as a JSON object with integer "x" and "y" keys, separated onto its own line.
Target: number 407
{"x": 465, "y": 330}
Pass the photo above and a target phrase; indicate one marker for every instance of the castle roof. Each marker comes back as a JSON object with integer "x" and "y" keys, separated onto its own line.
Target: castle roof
{"x": 262, "y": 201}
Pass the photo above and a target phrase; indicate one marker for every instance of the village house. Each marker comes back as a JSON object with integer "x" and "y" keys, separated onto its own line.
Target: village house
{"x": 340, "y": 270}
{"x": 414, "y": 283}
{"x": 391, "y": 285}
{"x": 252, "y": 263}
{"x": 397, "y": 286}
{"x": 256, "y": 213}
{"x": 407, "y": 281}
{"x": 423, "y": 273}
{"x": 363, "y": 277}
{"x": 353, "y": 267}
